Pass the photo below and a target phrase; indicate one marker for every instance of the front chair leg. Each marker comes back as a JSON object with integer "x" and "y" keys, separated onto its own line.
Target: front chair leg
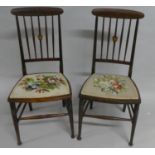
{"x": 134, "y": 122}
{"x": 80, "y": 119}
{"x": 69, "y": 107}
{"x": 15, "y": 122}
{"x": 30, "y": 106}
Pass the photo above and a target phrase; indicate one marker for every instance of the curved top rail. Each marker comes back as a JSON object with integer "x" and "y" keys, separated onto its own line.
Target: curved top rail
{"x": 117, "y": 13}
{"x": 36, "y": 11}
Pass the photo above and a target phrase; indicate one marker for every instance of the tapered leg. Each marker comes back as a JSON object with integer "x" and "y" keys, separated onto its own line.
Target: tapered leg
{"x": 63, "y": 103}
{"x": 80, "y": 119}
{"x": 134, "y": 122}
{"x": 91, "y": 104}
{"x": 15, "y": 122}
{"x": 70, "y": 112}
{"x": 30, "y": 106}
{"x": 124, "y": 107}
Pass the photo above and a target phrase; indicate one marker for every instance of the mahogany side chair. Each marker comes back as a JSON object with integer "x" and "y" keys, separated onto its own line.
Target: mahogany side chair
{"x": 115, "y": 44}
{"x": 39, "y": 36}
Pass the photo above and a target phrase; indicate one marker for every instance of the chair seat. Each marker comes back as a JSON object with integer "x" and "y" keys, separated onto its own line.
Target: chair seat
{"x": 112, "y": 87}
{"x": 38, "y": 86}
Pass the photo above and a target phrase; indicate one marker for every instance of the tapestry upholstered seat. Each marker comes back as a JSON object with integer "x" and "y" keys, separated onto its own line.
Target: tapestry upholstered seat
{"x": 41, "y": 85}
{"x": 111, "y": 87}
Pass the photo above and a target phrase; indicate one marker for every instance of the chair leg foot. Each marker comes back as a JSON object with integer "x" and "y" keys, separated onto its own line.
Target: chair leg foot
{"x": 130, "y": 144}
{"x": 72, "y": 136}
{"x": 79, "y": 138}
{"x": 70, "y": 113}
{"x": 15, "y": 122}
{"x": 19, "y": 143}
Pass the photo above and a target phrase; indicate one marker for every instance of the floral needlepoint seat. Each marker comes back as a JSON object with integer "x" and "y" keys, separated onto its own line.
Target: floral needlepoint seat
{"x": 110, "y": 87}
{"x": 41, "y": 85}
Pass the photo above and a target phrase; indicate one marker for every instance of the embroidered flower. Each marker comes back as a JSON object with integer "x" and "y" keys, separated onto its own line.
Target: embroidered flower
{"x": 110, "y": 84}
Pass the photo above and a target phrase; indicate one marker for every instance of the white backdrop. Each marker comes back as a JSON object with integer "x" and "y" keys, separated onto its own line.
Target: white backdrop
{"x": 77, "y": 32}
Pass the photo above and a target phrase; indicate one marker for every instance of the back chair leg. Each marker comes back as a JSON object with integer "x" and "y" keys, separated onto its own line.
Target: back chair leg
{"x": 124, "y": 107}
{"x": 91, "y": 105}
{"x": 70, "y": 113}
{"x": 30, "y": 106}
{"x": 15, "y": 122}
{"x": 63, "y": 103}
{"x": 80, "y": 119}
{"x": 134, "y": 122}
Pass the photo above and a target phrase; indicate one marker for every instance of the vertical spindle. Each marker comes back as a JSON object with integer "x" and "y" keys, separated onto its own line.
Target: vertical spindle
{"x": 108, "y": 42}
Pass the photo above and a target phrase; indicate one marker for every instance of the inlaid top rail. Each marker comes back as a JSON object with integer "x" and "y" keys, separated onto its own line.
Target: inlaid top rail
{"x": 117, "y": 13}
{"x": 37, "y": 11}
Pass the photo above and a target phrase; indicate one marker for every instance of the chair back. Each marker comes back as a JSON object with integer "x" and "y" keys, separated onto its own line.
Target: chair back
{"x": 115, "y": 36}
{"x": 39, "y": 34}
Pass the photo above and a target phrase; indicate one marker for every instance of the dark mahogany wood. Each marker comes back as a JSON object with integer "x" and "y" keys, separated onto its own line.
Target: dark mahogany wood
{"x": 121, "y": 39}
{"x": 114, "y": 42}
{"x": 117, "y": 13}
{"x": 43, "y": 116}
{"x": 15, "y": 122}
{"x": 108, "y": 117}
{"x": 37, "y": 11}
{"x": 121, "y": 28}
{"x": 34, "y": 25}
{"x": 22, "y": 110}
